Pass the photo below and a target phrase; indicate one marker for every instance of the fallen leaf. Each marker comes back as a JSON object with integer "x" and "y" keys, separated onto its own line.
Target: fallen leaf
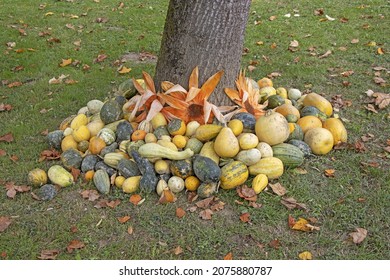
{"x": 291, "y": 221}
{"x": 204, "y": 203}
{"x": 305, "y": 256}
{"x": 347, "y": 73}
{"x": 274, "y": 244}
{"x": 124, "y": 70}
{"x": 74, "y": 244}
{"x": 326, "y": 54}
{"x": 382, "y": 100}
{"x": 167, "y": 197}
{"x": 2, "y": 152}
{"x": 329, "y": 18}
{"x": 123, "y": 219}
{"x": 344, "y": 20}
{"x": 271, "y": 18}
{"x": 91, "y": 195}
{"x": 75, "y": 173}
{"x": 135, "y": 199}
{"x": 303, "y": 225}
{"x": 294, "y": 44}
{"x": 49, "y": 14}
{"x": 380, "y": 51}
{"x": 100, "y": 58}
{"x": 319, "y": 12}
{"x": 5, "y": 107}
{"x": 354, "y": 41}
{"x": 251, "y": 68}
{"x": 278, "y": 189}
{"x": 130, "y": 230}
{"x": 329, "y": 172}
{"x": 291, "y": 203}
{"x": 228, "y": 256}
{"x": 371, "y": 108}
{"x": 48, "y": 254}
{"x": 114, "y": 203}
{"x": 206, "y": 214}
{"x": 359, "y": 235}
{"x": 49, "y": 155}
{"x": 101, "y": 20}
{"x": 380, "y": 81}
{"x": 178, "y": 250}
{"x": 14, "y": 84}
{"x": 4, "y": 223}
{"x": 11, "y": 193}
{"x": 255, "y": 204}
{"x": 246, "y": 193}
{"x": 359, "y": 147}
{"x": 180, "y": 212}
{"x": 218, "y": 206}
{"x": 73, "y": 229}
{"x": 245, "y": 217}
{"x": 65, "y": 62}
{"x": 300, "y": 170}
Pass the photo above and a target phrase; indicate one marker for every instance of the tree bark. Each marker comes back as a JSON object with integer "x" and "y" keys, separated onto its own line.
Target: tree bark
{"x": 204, "y": 33}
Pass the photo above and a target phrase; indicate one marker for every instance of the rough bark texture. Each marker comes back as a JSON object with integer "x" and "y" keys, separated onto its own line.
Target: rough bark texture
{"x": 203, "y": 33}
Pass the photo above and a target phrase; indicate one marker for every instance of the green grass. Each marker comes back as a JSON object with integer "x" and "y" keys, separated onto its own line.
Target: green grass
{"x": 334, "y": 202}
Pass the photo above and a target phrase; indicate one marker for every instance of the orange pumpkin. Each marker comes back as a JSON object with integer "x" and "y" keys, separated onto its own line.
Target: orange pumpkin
{"x": 96, "y": 145}
{"x": 138, "y": 135}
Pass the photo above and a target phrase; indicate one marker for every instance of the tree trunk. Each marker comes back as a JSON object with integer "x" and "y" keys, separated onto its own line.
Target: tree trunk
{"x": 203, "y": 33}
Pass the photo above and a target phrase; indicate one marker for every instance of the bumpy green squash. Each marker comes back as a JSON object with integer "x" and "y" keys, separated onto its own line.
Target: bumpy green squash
{"x": 206, "y": 169}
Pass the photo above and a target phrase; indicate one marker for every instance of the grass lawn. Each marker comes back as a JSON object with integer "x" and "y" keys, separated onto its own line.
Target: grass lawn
{"x": 34, "y": 39}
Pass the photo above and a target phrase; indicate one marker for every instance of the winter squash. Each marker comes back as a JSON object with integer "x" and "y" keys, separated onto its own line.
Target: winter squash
{"x": 158, "y": 120}
{"x": 167, "y": 144}
{"x": 71, "y": 158}
{"x": 101, "y": 181}
{"x": 176, "y": 184}
{"x": 259, "y": 183}
{"x": 233, "y": 174}
{"x": 194, "y": 145}
{"x": 226, "y": 144}
{"x": 176, "y": 127}
{"x": 206, "y": 189}
{"x": 88, "y": 176}
{"x": 94, "y": 106}
{"x": 111, "y": 111}
{"x": 127, "y": 168}
{"x": 112, "y": 159}
{"x": 192, "y": 126}
{"x": 313, "y": 111}
{"x": 288, "y": 109}
{"x": 54, "y": 139}
{"x": 265, "y": 150}
{"x": 81, "y": 133}
{"x": 294, "y": 94}
{"x": 290, "y": 155}
{"x": 265, "y": 93}
{"x": 336, "y": 127}
{"x": 118, "y": 182}
{"x": 248, "y": 120}
{"x": 192, "y": 183}
{"x": 248, "y": 141}
{"x": 37, "y": 177}
{"x": 96, "y": 145}
{"x": 296, "y": 132}
{"x": 321, "y": 103}
{"x": 94, "y": 127}
{"x": 206, "y": 132}
{"x": 236, "y": 126}
{"x": 162, "y": 167}
{"x": 272, "y": 128}
{"x": 249, "y": 157}
{"x": 89, "y": 162}
{"x": 153, "y": 150}
{"x": 79, "y": 120}
{"x": 281, "y": 91}
{"x": 123, "y": 131}
{"x": 206, "y": 169}
{"x": 181, "y": 168}
{"x": 320, "y": 140}
{"x": 275, "y": 101}
{"x": 138, "y": 135}
{"x": 150, "y": 138}
{"x": 265, "y": 82}
{"x": 272, "y": 167}
{"x": 60, "y": 176}
{"x": 302, "y": 146}
{"x": 180, "y": 141}
{"x": 309, "y": 122}
{"x": 68, "y": 143}
{"x": 208, "y": 151}
{"x": 131, "y": 184}
{"x": 108, "y": 135}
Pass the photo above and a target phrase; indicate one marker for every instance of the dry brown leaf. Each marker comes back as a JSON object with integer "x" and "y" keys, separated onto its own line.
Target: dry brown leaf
{"x": 74, "y": 244}
{"x": 371, "y": 108}
{"x": 49, "y": 155}
{"x": 305, "y": 256}
{"x": 75, "y": 173}
{"x": 205, "y": 203}
{"x": 4, "y": 223}
{"x": 192, "y": 209}
{"x": 379, "y": 81}
{"x": 367, "y": 137}
{"x": 49, "y": 254}
{"x": 7, "y": 138}
{"x": 382, "y": 100}
{"x": 180, "y": 212}
{"x": 114, "y": 203}
{"x": 271, "y": 18}
{"x": 11, "y": 193}
{"x": 206, "y": 214}
{"x": 130, "y": 230}
{"x": 291, "y": 221}
{"x": 123, "y": 219}
{"x": 359, "y": 235}
{"x": 2, "y": 152}
{"x": 167, "y": 197}
{"x": 65, "y": 62}
{"x": 14, "y": 84}
{"x": 135, "y": 199}
{"x": 278, "y": 189}
{"x": 218, "y": 206}
{"x": 100, "y": 58}
{"x": 294, "y": 44}
{"x": 255, "y": 204}
{"x": 326, "y": 54}
{"x": 246, "y": 193}
{"x": 5, "y": 107}
{"x": 14, "y": 158}
{"x": 228, "y": 256}
{"x": 245, "y": 217}
{"x": 291, "y": 203}
{"x": 347, "y": 73}
{"x": 359, "y": 147}
{"x": 74, "y": 229}
{"x": 124, "y": 70}
{"x": 303, "y": 225}
{"x": 178, "y": 250}
{"x": 91, "y": 195}
{"x": 329, "y": 172}
{"x": 354, "y": 41}
{"x": 274, "y": 244}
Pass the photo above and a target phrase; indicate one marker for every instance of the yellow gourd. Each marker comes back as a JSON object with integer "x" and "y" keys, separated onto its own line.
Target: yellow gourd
{"x": 272, "y": 167}
{"x": 68, "y": 143}
{"x": 272, "y": 128}
{"x": 206, "y": 132}
{"x": 259, "y": 183}
{"x": 321, "y": 103}
{"x": 226, "y": 144}
{"x": 248, "y": 141}
{"x": 81, "y": 133}
{"x": 79, "y": 120}
{"x": 236, "y": 126}
{"x": 308, "y": 122}
{"x": 131, "y": 184}
{"x": 153, "y": 150}
{"x": 336, "y": 127}
{"x": 320, "y": 140}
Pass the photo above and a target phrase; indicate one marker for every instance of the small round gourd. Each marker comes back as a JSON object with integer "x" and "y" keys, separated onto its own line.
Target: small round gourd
{"x": 81, "y": 133}
{"x": 37, "y": 177}
{"x": 192, "y": 183}
{"x": 176, "y": 127}
{"x": 192, "y": 126}
{"x": 176, "y": 184}
{"x": 265, "y": 150}
{"x": 248, "y": 141}
{"x": 96, "y": 145}
{"x": 294, "y": 94}
{"x": 162, "y": 167}
{"x": 236, "y": 126}
{"x": 131, "y": 184}
{"x": 79, "y": 120}
{"x": 161, "y": 186}
{"x": 68, "y": 143}
{"x": 309, "y": 122}
{"x": 107, "y": 135}
{"x": 259, "y": 183}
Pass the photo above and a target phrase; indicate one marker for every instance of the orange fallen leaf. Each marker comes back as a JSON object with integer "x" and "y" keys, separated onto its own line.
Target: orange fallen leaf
{"x": 7, "y": 138}
{"x": 228, "y": 256}
{"x": 359, "y": 235}
{"x": 245, "y": 217}
{"x": 329, "y": 172}
{"x": 130, "y": 230}
{"x": 291, "y": 221}
{"x": 2, "y": 152}
{"x": 178, "y": 250}
{"x": 4, "y": 223}
{"x": 123, "y": 219}
{"x": 114, "y": 203}
{"x": 135, "y": 199}
{"x": 14, "y": 158}
{"x": 274, "y": 244}
{"x": 73, "y": 229}
{"x": 74, "y": 244}
{"x": 380, "y": 51}
{"x": 91, "y": 195}
{"x": 305, "y": 256}
{"x": 75, "y": 173}
{"x": 205, "y": 203}
{"x": 180, "y": 212}
{"x": 303, "y": 225}
{"x": 65, "y": 62}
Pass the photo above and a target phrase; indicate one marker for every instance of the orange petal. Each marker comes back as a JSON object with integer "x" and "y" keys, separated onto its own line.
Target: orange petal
{"x": 149, "y": 81}
{"x": 176, "y": 88}
{"x": 233, "y": 95}
{"x": 192, "y": 93}
{"x": 193, "y": 81}
{"x": 208, "y": 87}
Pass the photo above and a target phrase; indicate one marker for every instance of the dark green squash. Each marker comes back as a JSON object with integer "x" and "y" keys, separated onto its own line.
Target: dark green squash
{"x": 89, "y": 163}
{"x": 206, "y": 189}
{"x": 303, "y": 146}
{"x": 111, "y": 112}
{"x": 297, "y": 133}
{"x": 313, "y": 111}
{"x": 54, "y": 139}
{"x": 206, "y": 169}
{"x": 101, "y": 180}
{"x": 71, "y": 158}
{"x": 275, "y": 101}
{"x": 123, "y": 131}
{"x": 181, "y": 168}
{"x": 247, "y": 119}
{"x": 160, "y": 131}
{"x": 100, "y": 165}
{"x": 128, "y": 168}
{"x": 149, "y": 178}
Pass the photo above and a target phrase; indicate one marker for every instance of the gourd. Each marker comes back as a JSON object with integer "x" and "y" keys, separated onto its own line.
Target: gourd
{"x": 150, "y": 138}
{"x": 123, "y": 131}
{"x": 66, "y": 122}
{"x": 68, "y": 143}
{"x": 336, "y": 127}
{"x": 100, "y": 165}
{"x": 138, "y": 134}
{"x": 47, "y": 192}
{"x": 71, "y": 158}
{"x": 320, "y": 140}
{"x": 131, "y": 184}
{"x": 206, "y": 169}
{"x": 81, "y": 133}
{"x": 149, "y": 179}
{"x": 160, "y": 131}
{"x": 181, "y": 168}
{"x": 146, "y": 126}
{"x": 233, "y": 174}
{"x": 272, "y": 167}
{"x": 153, "y": 150}
{"x": 272, "y": 128}
{"x": 321, "y": 103}
{"x": 94, "y": 127}
{"x": 194, "y": 144}
{"x": 281, "y": 91}
{"x": 288, "y": 109}
{"x": 162, "y": 167}
{"x": 96, "y": 145}
{"x": 108, "y": 135}
{"x": 296, "y": 132}
{"x": 118, "y": 182}
{"x": 180, "y": 141}
{"x": 102, "y": 181}
{"x": 208, "y": 151}
{"x": 94, "y": 106}
{"x": 54, "y": 139}
{"x": 275, "y": 101}
{"x": 309, "y": 122}
{"x": 89, "y": 163}
{"x": 265, "y": 93}
{"x": 206, "y": 132}
{"x": 60, "y": 176}
{"x": 112, "y": 159}
{"x": 313, "y": 111}
{"x": 79, "y": 120}
{"x": 265, "y": 150}
{"x": 192, "y": 126}
{"x": 111, "y": 111}
{"x": 83, "y": 146}
{"x": 161, "y": 186}
{"x": 176, "y": 184}
{"x": 304, "y": 147}
{"x": 290, "y": 155}
{"x": 158, "y": 120}
{"x": 192, "y": 183}
{"x": 127, "y": 168}
{"x": 248, "y": 141}
{"x": 294, "y": 94}
{"x": 176, "y": 127}
{"x": 206, "y": 189}
{"x": 249, "y": 157}
{"x": 37, "y": 177}
{"x": 248, "y": 121}
{"x": 265, "y": 82}
{"x": 259, "y": 183}
{"x": 167, "y": 144}
{"x": 236, "y": 126}
{"x": 226, "y": 144}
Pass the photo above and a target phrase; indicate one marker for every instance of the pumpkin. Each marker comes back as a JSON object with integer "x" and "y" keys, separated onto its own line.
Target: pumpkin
{"x": 272, "y": 128}
{"x": 149, "y": 179}
{"x": 288, "y": 109}
{"x": 247, "y": 119}
{"x": 176, "y": 127}
{"x": 296, "y": 132}
{"x": 96, "y": 145}
{"x": 108, "y": 135}
{"x": 81, "y": 134}
{"x": 321, "y": 103}
{"x": 181, "y": 168}
{"x": 265, "y": 82}
{"x": 236, "y": 126}
{"x": 226, "y": 144}
{"x": 206, "y": 189}
{"x": 248, "y": 141}
{"x": 71, "y": 158}
{"x": 294, "y": 94}
{"x": 60, "y": 176}
{"x": 272, "y": 167}
{"x": 206, "y": 169}
{"x": 138, "y": 135}
{"x": 265, "y": 150}
{"x": 54, "y": 139}
{"x": 192, "y": 126}
{"x": 79, "y": 120}
{"x": 162, "y": 167}
{"x": 131, "y": 184}
{"x": 259, "y": 183}
{"x": 208, "y": 151}
{"x": 336, "y": 127}
{"x": 111, "y": 111}
{"x": 320, "y": 140}
{"x": 194, "y": 145}
{"x": 206, "y": 132}
{"x": 249, "y": 157}
{"x": 309, "y": 122}
{"x": 290, "y": 155}
{"x": 176, "y": 184}
{"x": 233, "y": 174}
{"x": 37, "y": 177}
{"x": 68, "y": 143}
{"x": 192, "y": 183}
{"x": 180, "y": 141}
{"x": 158, "y": 120}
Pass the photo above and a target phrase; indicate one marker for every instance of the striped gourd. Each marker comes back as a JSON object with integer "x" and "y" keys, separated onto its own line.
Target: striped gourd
{"x": 233, "y": 174}
{"x": 290, "y": 155}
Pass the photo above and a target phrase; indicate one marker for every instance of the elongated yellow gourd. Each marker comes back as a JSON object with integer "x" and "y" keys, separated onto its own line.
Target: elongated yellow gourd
{"x": 153, "y": 150}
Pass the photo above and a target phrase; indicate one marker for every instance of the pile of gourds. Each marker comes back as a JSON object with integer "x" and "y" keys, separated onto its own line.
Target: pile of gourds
{"x": 173, "y": 156}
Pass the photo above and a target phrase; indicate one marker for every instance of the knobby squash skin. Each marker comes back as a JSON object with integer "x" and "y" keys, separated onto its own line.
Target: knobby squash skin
{"x": 181, "y": 168}
{"x": 128, "y": 168}
{"x": 206, "y": 169}
{"x": 233, "y": 174}
{"x": 206, "y": 189}
{"x": 149, "y": 179}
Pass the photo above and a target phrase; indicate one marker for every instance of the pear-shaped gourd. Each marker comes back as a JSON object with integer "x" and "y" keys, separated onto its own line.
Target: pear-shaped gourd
{"x": 226, "y": 144}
